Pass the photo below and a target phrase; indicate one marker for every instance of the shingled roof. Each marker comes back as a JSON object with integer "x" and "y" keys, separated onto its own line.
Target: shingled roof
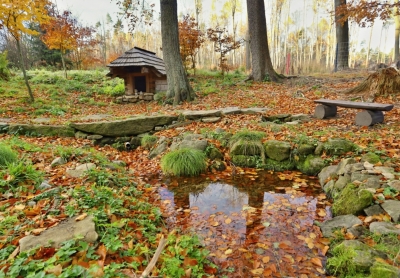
{"x": 139, "y": 57}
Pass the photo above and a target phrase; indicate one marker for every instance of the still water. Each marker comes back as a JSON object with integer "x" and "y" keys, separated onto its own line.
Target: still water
{"x": 252, "y": 222}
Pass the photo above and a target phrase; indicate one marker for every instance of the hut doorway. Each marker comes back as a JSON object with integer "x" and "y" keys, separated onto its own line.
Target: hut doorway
{"x": 140, "y": 83}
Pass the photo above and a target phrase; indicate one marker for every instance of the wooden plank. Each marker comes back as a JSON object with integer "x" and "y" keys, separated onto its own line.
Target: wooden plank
{"x": 356, "y": 105}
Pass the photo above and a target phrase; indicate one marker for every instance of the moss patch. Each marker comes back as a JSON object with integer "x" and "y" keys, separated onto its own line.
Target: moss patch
{"x": 352, "y": 200}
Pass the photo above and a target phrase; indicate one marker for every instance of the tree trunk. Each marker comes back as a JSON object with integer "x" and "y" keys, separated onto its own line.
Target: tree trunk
{"x": 260, "y": 57}
{"x": 22, "y": 63}
{"x": 63, "y": 64}
{"x": 396, "y": 34}
{"x": 248, "y": 56}
{"x": 342, "y": 39}
{"x": 178, "y": 85}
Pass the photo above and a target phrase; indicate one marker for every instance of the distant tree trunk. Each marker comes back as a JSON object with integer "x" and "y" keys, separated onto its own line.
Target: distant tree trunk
{"x": 248, "y": 56}
{"x": 342, "y": 39}
{"x": 178, "y": 85}
{"x": 22, "y": 63}
{"x": 396, "y": 34}
{"x": 260, "y": 57}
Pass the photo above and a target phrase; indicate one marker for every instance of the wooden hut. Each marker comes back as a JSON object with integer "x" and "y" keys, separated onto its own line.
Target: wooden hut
{"x": 143, "y": 72}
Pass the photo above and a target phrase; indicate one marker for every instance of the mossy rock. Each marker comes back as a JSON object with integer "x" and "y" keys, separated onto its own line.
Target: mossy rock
{"x": 245, "y": 160}
{"x": 305, "y": 149}
{"x": 312, "y": 165}
{"x": 249, "y": 148}
{"x": 371, "y": 158}
{"x": 351, "y": 258}
{"x": 214, "y": 153}
{"x": 279, "y": 166}
{"x": 352, "y": 200}
{"x": 383, "y": 270}
{"x": 277, "y": 150}
{"x": 336, "y": 147}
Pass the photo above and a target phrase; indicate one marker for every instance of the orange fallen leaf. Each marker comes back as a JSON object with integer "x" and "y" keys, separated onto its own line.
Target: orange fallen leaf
{"x": 316, "y": 261}
{"x": 81, "y": 217}
{"x": 266, "y": 259}
{"x": 257, "y": 271}
{"x": 228, "y": 221}
{"x": 37, "y": 231}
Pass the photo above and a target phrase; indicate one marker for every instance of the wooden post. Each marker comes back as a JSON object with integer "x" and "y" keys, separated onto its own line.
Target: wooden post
{"x": 325, "y": 111}
{"x": 369, "y": 117}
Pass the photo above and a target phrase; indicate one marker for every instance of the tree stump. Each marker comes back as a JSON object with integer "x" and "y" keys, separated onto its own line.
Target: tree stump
{"x": 383, "y": 82}
{"x": 325, "y": 111}
{"x": 368, "y": 117}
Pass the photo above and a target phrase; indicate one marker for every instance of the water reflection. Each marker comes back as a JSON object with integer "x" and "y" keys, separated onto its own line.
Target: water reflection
{"x": 246, "y": 214}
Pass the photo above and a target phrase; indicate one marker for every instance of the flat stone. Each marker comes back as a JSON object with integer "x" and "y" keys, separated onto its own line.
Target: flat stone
{"x": 5, "y": 120}
{"x": 231, "y": 110}
{"x": 343, "y": 163}
{"x": 41, "y": 120}
{"x": 45, "y": 130}
{"x": 254, "y": 110}
{"x": 395, "y": 184}
{"x": 374, "y": 210}
{"x": 211, "y": 119}
{"x": 194, "y": 115}
{"x": 383, "y": 228}
{"x": 326, "y": 173}
{"x": 342, "y": 221}
{"x": 127, "y": 127}
{"x": 96, "y": 117}
{"x": 94, "y": 137}
{"x": 392, "y": 207}
{"x": 66, "y": 230}
{"x": 58, "y": 161}
{"x": 80, "y": 170}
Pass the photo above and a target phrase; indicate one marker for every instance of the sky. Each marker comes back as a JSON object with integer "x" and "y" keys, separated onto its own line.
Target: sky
{"x": 89, "y": 12}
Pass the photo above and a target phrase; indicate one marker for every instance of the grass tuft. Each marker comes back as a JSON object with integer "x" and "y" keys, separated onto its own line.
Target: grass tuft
{"x": 184, "y": 162}
{"x": 7, "y": 155}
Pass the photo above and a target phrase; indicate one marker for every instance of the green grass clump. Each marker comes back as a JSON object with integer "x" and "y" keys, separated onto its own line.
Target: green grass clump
{"x": 247, "y": 135}
{"x": 184, "y": 162}
{"x": 148, "y": 141}
{"x": 7, "y": 155}
{"x": 342, "y": 261}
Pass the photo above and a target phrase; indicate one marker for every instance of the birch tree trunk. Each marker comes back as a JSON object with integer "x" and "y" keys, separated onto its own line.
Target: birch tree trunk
{"x": 396, "y": 34}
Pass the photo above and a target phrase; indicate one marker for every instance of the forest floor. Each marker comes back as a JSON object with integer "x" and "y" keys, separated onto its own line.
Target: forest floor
{"x": 293, "y": 96}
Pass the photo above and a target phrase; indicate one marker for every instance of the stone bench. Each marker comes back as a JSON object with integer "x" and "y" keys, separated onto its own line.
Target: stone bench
{"x": 371, "y": 114}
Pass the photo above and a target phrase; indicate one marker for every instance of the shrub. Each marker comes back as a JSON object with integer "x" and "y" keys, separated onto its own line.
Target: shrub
{"x": 184, "y": 162}
{"x": 7, "y": 155}
{"x": 4, "y": 72}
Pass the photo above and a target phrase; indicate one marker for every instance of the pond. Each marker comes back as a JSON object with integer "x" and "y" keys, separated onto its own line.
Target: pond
{"x": 255, "y": 224}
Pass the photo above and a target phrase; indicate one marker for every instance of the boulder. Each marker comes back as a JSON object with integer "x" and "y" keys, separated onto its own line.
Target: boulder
{"x": 327, "y": 173}
{"x": 127, "y": 127}
{"x": 342, "y": 221}
{"x": 335, "y": 147}
{"x": 66, "y": 230}
{"x": 352, "y": 200}
{"x": 384, "y": 270}
{"x": 312, "y": 165}
{"x": 277, "y": 150}
{"x": 358, "y": 255}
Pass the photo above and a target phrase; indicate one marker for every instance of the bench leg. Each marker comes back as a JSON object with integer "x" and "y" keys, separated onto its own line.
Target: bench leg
{"x": 325, "y": 111}
{"x": 369, "y": 117}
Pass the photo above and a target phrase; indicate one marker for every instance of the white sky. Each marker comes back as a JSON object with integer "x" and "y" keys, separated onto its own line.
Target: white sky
{"x": 91, "y": 11}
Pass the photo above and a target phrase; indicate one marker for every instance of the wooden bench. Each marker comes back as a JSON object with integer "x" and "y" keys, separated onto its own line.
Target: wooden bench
{"x": 371, "y": 115}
